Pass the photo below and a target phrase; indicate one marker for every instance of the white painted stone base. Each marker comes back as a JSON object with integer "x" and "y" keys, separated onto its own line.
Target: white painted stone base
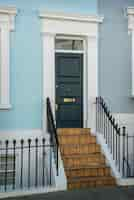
{"x": 120, "y": 181}
{"x": 60, "y": 182}
{"x": 21, "y": 134}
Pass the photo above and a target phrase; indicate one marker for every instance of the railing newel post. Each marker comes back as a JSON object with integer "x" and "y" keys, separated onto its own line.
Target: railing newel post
{"x": 123, "y": 150}
{"x": 119, "y": 148}
{"x": 113, "y": 137}
{"x": 116, "y": 139}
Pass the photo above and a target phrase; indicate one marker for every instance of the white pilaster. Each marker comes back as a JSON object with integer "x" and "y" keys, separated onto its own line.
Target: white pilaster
{"x": 48, "y": 72}
{"x": 130, "y": 13}
{"x": 132, "y": 34}
{"x": 5, "y": 71}
{"x": 7, "y": 17}
{"x": 92, "y": 50}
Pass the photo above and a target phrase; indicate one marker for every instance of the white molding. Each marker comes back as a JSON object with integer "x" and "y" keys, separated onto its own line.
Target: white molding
{"x": 69, "y": 37}
{"x": 8, "y": 10}
{"x": 7, "y": 19}
{"x": 67, "y": 24}
{"x": 130, "y": 14}
{"x": 7, "y": 16}
{"x": 84, "y": 27}
{"x": 130, "y": 10}
{"x": 132, "y": 61}
{"x": 5, "y": 106}
{"x": 70, "y": 51}
{"x": 71, "y": 17}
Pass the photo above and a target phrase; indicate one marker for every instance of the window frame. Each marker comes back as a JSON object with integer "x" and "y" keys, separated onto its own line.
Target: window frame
{"x": 7, "y": 18}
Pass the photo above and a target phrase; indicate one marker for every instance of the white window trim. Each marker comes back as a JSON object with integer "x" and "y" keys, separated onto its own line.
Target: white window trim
{"x": 7, "y": 18}
{"x": 82, "y": 26}
{"x": 130, "y": 14}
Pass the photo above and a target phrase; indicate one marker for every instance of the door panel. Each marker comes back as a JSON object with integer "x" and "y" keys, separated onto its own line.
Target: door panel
{"x": 71, "y": 67}
{"x": 64, "y": 113}
{"x": 69, "y": 90}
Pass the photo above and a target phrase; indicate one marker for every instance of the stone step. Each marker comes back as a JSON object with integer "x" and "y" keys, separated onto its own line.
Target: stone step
{"x": 73, "y": 131}
{"x": 84, "y": 164}
{"x": 92, "y": 171}
{"x": 86, "y": 182}
{"x": 77, "y": 139}
{"x": 79, "y": 149}
{"x": 83, "y": 160}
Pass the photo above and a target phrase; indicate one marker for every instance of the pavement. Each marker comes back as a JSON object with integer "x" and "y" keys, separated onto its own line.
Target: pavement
{"x": 118, "y": 193}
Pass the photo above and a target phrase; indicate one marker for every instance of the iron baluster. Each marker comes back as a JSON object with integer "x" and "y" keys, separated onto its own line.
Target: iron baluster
{"x": 36, "y": 162}
{"x": 14, "y": 158}
{"x": 29, "y": 161}
{"x": 6, "y": 157}
{"x": 21, "y": 172}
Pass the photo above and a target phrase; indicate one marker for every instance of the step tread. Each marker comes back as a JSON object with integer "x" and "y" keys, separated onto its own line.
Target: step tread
{"x": 78, "y": 129}
{"x": 75, "y": 179}
{"x": 84, "y": 163}
{"x": 74, "y": 154}
{"x": 92, "y": 155}
{"x": 70, "y": 131}
{"x": 73, "y": 142}
{"x": 88, "y": 167}
{"x": 75, "y": 135}
{"x": 95, "y": 144}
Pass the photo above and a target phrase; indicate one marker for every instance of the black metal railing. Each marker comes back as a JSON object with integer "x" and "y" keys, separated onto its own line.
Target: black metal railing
{"x": 129, "y": 160}
{"x": 119, "y": 142}
{"x": 25, "y": 164}
{"x": 51, "y": 127}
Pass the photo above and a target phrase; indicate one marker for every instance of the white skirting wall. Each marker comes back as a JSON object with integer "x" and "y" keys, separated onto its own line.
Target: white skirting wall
{"x": 125, "y": 119}
{"x": 59, "y": 183}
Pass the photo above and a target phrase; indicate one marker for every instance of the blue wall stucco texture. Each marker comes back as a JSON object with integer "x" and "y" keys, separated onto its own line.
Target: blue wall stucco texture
{"x": 115, "y": 55}
{"x": 26, "y": 59}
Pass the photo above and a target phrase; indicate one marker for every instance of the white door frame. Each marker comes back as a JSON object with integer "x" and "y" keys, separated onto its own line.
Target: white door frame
{"x": 75, "y": 25}
{"x": 84, "y": 70}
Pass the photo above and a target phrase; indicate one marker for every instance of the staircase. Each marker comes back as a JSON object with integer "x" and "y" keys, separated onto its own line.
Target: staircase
{"x": 85, "y": 165}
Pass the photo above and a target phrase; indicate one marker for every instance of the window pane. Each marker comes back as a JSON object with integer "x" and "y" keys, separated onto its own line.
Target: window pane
{"x": 69, "y": 44}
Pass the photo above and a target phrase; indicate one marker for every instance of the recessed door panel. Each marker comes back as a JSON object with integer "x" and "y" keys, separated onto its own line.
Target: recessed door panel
{"x": 69, "y": 89}
{"x": 65, "y": 112}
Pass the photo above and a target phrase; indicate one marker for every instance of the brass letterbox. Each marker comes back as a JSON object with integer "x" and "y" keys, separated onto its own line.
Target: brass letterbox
{"x": 69, "y": 100}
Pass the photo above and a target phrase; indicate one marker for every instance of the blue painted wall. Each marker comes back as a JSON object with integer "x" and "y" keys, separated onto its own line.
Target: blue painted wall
{"x": 115, "y": 56}
{"x": 26, "y": 59}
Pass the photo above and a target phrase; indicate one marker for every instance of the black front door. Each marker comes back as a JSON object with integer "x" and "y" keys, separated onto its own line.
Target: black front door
{"x": 69, "y": 90}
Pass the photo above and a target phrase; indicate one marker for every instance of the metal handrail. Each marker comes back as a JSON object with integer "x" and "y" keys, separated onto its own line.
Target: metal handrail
{"x": 51, "y": 127}
{"x": 116, "y": 140}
